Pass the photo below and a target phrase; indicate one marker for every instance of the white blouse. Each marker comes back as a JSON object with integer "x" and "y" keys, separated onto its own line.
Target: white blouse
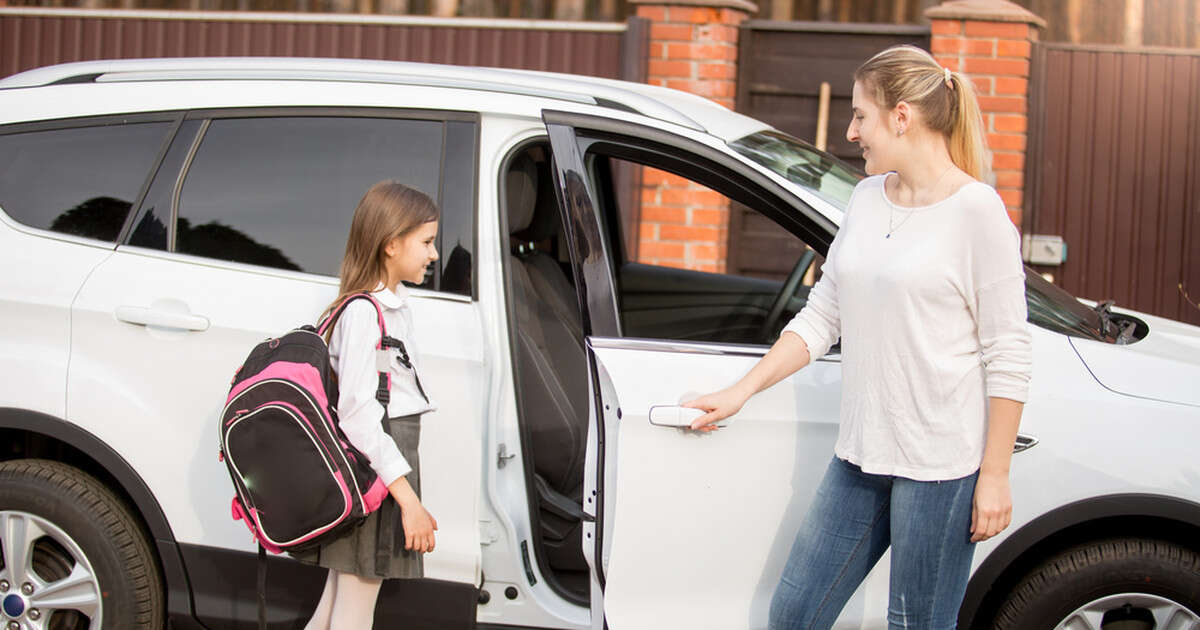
{"x": 932, "y": 321}
{"x": 353, "y": 356}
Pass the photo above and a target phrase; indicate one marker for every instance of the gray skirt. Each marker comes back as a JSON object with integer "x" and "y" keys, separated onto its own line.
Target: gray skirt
{"x": 375, "y": 549}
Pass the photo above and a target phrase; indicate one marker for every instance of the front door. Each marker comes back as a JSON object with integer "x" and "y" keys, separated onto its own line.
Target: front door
{"x": 694, "y": 529}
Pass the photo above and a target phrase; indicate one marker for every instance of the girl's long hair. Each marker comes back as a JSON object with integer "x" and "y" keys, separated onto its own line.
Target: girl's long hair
{"x": 907, "y": 73}
{"x": 389, "y": 209}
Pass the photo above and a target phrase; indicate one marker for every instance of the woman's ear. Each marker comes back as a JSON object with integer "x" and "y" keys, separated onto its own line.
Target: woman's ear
{"x": 902, "y": 117}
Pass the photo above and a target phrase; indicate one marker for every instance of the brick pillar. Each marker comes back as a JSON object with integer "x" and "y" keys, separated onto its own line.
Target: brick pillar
{"x": 991, "y": 42}
{"x": 694, "y": 48}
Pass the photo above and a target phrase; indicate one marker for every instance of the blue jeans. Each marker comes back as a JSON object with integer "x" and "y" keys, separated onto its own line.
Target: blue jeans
{"x": 854, "y": 518}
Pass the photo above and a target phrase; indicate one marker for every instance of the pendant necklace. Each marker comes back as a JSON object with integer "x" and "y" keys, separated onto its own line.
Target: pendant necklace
{"x": 892, "y": 206}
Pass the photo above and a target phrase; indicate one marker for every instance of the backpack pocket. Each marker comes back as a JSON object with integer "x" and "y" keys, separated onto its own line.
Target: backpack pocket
{"x": 289, "y": 482}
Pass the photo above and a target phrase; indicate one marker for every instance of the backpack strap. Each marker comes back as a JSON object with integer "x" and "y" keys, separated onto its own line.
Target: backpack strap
{"x": 392, "y": 342}
{"x": 383, "y": 391}
{"x": 262, "y": 588}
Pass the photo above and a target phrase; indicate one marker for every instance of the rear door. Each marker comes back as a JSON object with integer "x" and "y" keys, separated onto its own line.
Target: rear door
{"x": 691, "y": 530}
{"x": 240, "y": 238}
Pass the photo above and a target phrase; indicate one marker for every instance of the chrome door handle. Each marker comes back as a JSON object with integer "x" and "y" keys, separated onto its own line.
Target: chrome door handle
{"x": 676, "y": 416}
{"x": 162, "y": 319}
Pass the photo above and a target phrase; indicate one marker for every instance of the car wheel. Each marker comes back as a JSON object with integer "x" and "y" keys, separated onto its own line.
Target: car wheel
{"x": 74, "y": 557}
{"x": 1120, "y": 584}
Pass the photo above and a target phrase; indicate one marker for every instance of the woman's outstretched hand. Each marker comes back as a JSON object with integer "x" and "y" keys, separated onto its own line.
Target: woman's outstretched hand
{"x": 717, "y": 406}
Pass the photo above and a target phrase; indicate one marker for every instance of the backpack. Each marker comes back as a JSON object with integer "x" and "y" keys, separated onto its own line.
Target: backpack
{"x": 298, "y": 481}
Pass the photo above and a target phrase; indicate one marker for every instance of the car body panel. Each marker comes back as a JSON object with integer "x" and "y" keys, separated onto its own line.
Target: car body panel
{"x": 1164, "y": 365}
{"x": 44, "y": 270}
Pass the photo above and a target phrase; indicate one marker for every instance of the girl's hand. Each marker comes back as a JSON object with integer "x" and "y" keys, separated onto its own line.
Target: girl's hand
{"x": 418, "y": 523}
{"x": 718, "y": 405}
{"x": 419, "y": 526}
{"x": 991, "y": 511}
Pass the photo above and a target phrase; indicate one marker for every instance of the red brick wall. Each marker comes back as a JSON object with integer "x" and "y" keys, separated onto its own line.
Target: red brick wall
{"x": 692, "y": 48}
{"x": 683, "y": 224}
{"x": 995, "y": 55}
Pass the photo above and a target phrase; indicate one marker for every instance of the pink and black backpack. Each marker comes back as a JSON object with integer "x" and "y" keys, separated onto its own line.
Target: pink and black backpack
{"x": 298, "y": 481}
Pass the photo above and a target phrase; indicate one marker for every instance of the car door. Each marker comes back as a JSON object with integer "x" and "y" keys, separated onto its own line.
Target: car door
{"x": 240, "y": 239}
{"x": 690, "y": 530}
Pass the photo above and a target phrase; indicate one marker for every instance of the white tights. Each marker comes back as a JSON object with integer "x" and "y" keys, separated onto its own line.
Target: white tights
{"x": 348, "y": 603}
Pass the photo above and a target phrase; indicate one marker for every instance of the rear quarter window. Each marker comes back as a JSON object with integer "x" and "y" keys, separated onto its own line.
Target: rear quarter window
{"x": 81, "y": 180}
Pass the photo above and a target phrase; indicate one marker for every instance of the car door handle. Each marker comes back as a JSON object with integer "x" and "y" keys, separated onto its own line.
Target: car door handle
{"x": 163, "y": 319}
{"x": 676, "y": 416}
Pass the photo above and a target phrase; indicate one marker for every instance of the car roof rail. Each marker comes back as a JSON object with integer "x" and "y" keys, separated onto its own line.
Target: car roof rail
{"x": 587, "y": 90}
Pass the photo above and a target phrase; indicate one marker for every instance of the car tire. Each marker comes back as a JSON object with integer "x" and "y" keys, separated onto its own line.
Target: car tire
{"x": 1128, "y": 580}
{"x": 75, "y": 533}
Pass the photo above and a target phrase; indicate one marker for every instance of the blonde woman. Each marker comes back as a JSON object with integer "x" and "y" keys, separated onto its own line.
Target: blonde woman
{"x": 925, "y": 287}
{"x": 391, "y": 241}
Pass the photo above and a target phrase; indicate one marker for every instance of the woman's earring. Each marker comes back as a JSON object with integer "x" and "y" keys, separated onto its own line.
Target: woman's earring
{"x": 899, "y": 132}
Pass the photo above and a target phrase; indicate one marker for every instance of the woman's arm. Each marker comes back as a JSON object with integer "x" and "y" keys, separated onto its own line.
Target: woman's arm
{"x": 789, "y": 354}
{"x": 991, "y": 511}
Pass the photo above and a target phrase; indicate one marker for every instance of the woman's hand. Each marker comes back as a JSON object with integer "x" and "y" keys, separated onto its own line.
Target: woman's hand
{"x": 991, "y": 511}
{"x": 419, "y": 524}
{"x": 718, "y": 405}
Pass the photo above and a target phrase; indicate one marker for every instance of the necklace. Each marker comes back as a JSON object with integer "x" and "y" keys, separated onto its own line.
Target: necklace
{"x": 892, "y": 207}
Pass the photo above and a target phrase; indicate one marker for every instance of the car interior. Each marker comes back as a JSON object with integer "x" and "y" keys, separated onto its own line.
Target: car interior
{"x": 549, "y": 362}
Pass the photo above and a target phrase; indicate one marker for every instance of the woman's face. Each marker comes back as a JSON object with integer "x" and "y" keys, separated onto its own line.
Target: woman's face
{"x": 408, "y": 256}
{"x": 871, "y": 128}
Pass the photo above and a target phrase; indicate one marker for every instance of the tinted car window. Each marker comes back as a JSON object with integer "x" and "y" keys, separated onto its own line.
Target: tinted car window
{"x": 81, "y": 181}
{"x": 280, "y": 192}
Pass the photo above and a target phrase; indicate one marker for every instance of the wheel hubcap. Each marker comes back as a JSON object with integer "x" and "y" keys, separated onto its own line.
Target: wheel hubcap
{"x": 1131, "y": 611}
{"x": 53, "y": 584}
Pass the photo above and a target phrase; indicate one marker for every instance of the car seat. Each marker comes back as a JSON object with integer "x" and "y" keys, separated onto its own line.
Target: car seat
{"x": 551, "y": 360}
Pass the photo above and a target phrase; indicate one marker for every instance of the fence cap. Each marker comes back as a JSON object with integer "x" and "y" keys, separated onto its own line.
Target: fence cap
{"x": 741, "y": 5}
{"x": 986, "y": 10}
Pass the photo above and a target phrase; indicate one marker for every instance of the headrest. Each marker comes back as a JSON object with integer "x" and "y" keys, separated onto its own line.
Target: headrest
{"x": 545, "y": 222}
{"x": 520, "y": 184}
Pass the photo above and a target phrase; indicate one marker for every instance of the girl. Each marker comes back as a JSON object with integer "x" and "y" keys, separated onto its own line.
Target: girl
{"x": 391, "y": 240}
{"x": 924, "y": 285}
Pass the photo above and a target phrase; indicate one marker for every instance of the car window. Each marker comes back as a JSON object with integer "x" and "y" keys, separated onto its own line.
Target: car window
{"x": 80, "y": 180}
{"x": 281, "y": 191}
{"x": 830, "y": 178}
{"x": 680, "y": 281}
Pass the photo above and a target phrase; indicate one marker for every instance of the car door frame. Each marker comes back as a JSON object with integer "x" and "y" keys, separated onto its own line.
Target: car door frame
{"x": 594, "y": 274}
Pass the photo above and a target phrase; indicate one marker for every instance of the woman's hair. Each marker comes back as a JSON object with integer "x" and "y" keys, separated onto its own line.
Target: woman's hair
{"x": 389, "y": 209}
{"x": 945, "y": 99}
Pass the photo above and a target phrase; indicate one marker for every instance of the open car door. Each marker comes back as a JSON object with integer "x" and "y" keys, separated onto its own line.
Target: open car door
{"x": 690, "y": 530}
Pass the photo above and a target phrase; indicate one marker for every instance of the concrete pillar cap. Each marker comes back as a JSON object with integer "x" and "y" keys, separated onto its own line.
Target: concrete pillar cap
{"x": 982, "y": 10}
{"x": 741, "y": 5}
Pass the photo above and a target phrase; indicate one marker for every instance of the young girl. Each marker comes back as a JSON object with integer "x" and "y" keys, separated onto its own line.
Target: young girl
{"x": 391, "y": 241}
{"x": 924, "y": 285}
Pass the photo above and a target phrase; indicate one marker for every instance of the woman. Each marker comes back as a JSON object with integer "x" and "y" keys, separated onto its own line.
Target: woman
{"x": 925, "y": 286}
{"x": 392, "y": 240}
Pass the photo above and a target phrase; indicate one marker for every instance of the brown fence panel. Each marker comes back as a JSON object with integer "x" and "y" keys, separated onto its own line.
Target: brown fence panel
{"x": 30, "y": 38}
{"x": 1114, "y": 168}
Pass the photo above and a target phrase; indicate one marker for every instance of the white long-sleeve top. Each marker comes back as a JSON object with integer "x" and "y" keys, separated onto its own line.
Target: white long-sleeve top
{"x": 352, "y": 353}
{"x": 932, "y": 322}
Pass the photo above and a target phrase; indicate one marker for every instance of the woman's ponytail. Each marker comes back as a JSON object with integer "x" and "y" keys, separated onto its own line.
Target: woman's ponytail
{"x": 945, "y": 99}
{"x": 968, "y": 148}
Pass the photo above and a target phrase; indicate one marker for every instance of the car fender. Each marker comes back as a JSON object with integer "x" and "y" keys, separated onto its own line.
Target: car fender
{"x": 1014, "y": 551}
{"x": 179, "y": 599}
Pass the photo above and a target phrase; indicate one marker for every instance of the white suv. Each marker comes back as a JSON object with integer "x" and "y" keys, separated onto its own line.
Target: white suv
{"x": 160, "y": 217}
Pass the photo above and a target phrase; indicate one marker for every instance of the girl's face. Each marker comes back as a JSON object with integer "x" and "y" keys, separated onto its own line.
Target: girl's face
{"x": 872, "y": 128}
{"x": 408, "y": 256}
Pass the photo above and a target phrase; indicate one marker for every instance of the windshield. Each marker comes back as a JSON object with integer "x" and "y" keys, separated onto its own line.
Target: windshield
{"x": 833, "y": 180}
{"x": 801, "y": 163}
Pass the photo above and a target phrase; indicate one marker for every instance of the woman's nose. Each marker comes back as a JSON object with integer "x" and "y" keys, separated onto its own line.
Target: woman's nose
{"x": 851, "y": 133}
